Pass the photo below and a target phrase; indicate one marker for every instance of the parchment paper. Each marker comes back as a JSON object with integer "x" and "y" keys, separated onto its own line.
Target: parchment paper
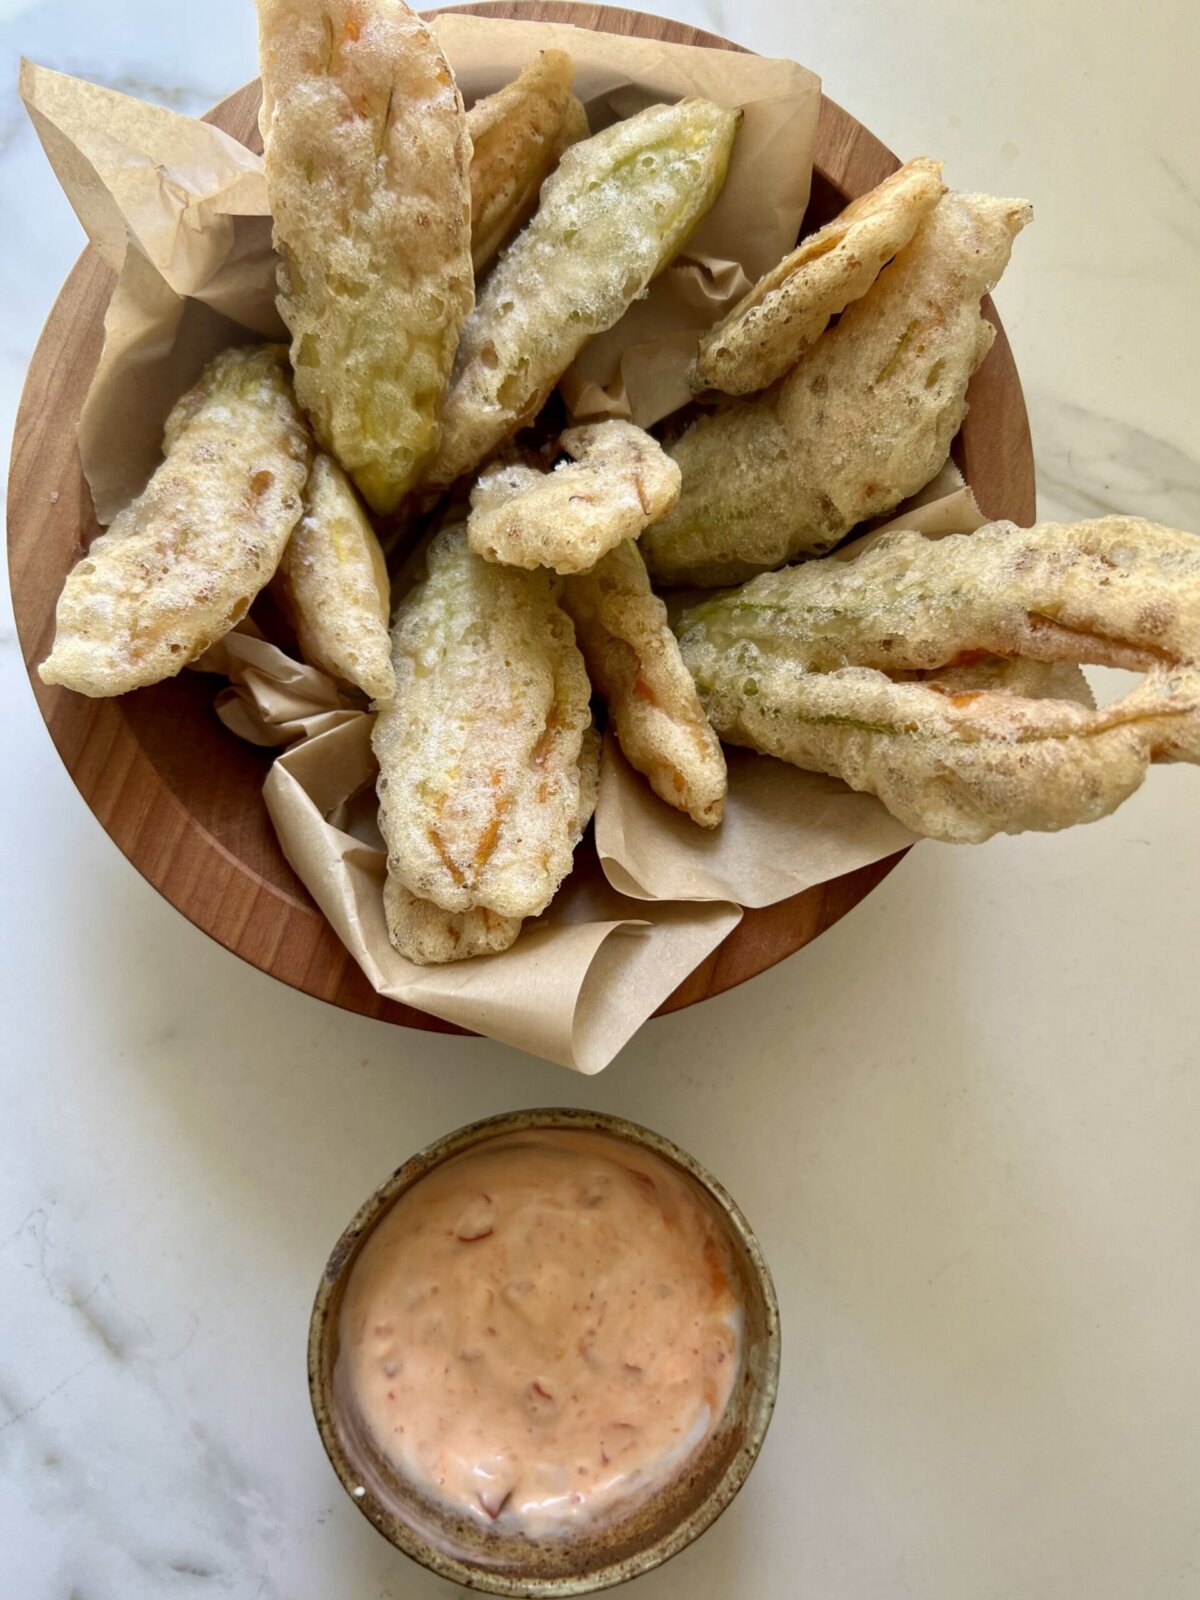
{"x": 176, "y": 208}
{"x": 576, "y": 985}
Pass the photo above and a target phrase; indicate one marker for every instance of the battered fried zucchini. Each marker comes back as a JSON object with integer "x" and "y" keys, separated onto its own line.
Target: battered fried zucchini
{"x": 865, "y": 420}
{"x": 786, "y": 312}
{"x": 180, "y": 566}
{"x": 367, "y": 158}
{"x": 1116, "y": 592}
{"x": 617, "y": 484}
{"x": 961, "y": 767}
{"x": 633, "y": 660}
{"x": 518, "y": 135}
{"x": 333, "y": 585}
{"x": 618, "y": 209}
{"x": 862, "y": 669}
{"x": 481, "y": 791}
{"x": 428, "y": 936}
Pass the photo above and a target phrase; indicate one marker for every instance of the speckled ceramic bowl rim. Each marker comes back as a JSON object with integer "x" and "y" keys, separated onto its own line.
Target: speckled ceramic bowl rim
{"x": 393, "y": 1527}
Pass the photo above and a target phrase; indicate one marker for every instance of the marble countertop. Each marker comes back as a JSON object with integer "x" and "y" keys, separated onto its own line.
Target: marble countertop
{"x": 963, "y": 1123}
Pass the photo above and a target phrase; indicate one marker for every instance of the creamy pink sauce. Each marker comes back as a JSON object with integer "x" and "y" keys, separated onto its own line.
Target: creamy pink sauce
{"x": 543, "y": 1327}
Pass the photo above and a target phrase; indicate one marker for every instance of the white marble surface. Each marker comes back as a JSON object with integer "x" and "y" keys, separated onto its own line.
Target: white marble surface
{"x": 963, "y": 1123}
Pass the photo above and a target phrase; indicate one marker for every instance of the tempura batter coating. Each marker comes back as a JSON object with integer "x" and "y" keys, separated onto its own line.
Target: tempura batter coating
{"x": 1035, "y": 680}
{"x": 333, "y": 584}
{"x": 589, "y": 776}
{"x": 786, "y": 312}
{"x": 425, "y": 934}
{"x": 633, "y": 660}
{"x": 961, "y": 766}
{"x": 180, "y": 566}
{"x": 619, "y": 481}
{"x": 367, "y": 158}
{"x": 619, "y": 207}
{"x": 865, "y": 420}
{"x": 1117, "y": 592}
{"x": 479, "y": 752}
{"x": 518, "y": 135}
{"x": 866, "y": 669}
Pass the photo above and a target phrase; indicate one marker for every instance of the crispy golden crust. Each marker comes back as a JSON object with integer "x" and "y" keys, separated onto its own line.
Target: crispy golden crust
{"x": 790, "y": 664}
{"x": 333, "y": 584}
{"x": 619, "y": 481}
{"x": 518, "y": 135}
{"x": 1035, "y": 680}
{"x": 864, "y": 420}
{"x": 633, "y": 660}
{"x": 180, "y": 566}
{"x": 589, "y": 776}
{"x": 1117, "y": 592}
{"x": 425, "y": 934}
{"x": 618, "y": 208}
{"x": 964, "y": 766}
{"x": 479, "y": 752}
{"x": 367, "y": 159}
{"x": 786, "y": 312}
{"x": 428, "y": 936}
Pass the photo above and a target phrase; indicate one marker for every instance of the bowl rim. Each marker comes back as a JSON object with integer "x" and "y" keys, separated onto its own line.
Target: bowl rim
{"x": 322, "y": 1330}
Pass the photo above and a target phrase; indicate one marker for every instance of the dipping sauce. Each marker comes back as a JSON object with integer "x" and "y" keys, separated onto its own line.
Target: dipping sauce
{"x": 542, "y": 1327}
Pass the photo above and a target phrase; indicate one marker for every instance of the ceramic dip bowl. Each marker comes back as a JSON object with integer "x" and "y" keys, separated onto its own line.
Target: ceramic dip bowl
{"x": 629, "y": 1541}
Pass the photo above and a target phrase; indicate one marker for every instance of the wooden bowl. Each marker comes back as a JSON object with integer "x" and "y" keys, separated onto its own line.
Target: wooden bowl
{"x": 182, "y": 797}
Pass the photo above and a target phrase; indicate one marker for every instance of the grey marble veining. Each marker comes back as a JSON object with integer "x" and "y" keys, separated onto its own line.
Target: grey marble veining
{"x": 962, "y": 1123}
{"x": 1091, "y": 466}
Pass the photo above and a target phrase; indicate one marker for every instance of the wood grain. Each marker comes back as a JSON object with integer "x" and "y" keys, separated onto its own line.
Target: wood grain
{"x": 182, "y": 798}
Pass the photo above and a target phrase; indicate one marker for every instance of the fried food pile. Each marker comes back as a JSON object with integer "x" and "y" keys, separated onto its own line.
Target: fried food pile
{"x": 440, "y": 269}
